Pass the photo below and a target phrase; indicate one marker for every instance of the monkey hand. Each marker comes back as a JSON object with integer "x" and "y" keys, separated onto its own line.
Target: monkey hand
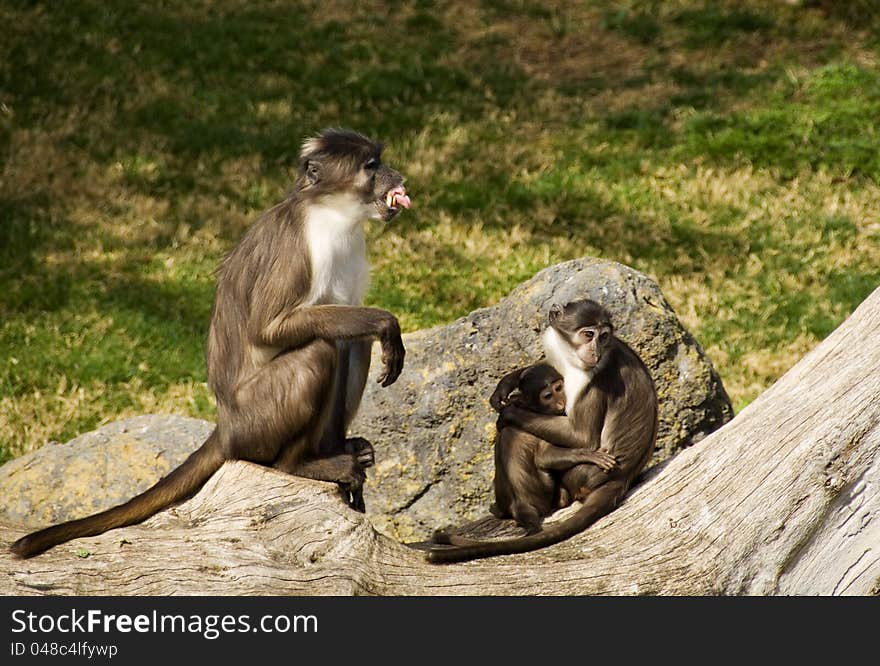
{"x": 499, "y": 401}
{"x": 362, "y": 450}
{"x": 501, "y": 397}
{"x": 392, "y": 351}
{"x": 507, "y": 416}
{"x": 602, "y": 459}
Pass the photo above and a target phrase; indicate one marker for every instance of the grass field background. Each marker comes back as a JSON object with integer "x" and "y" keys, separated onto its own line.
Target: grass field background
{"x": 727, "y": 149}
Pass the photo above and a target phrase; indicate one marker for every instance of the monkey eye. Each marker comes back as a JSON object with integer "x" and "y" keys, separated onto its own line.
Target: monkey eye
{"x": 313, "y": 171}
{"x": 546, "y": 395}
{"x": 604, "y": 336}
{"x": 588, "y": 335}
{"x": 371, "y": 164}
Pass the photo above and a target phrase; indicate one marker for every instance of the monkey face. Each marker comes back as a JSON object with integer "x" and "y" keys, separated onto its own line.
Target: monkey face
{"x": 589, "y": 343}
{"x": 541, "y": 389}
{"x": 585, "y": 330}
{"x": 552, "y": 399}
{"x": 387, "y": 192}
{"x": 340, "y": 161}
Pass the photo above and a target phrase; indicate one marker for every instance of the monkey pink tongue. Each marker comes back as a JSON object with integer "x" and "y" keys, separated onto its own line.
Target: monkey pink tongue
{"x": 399, "y": 198}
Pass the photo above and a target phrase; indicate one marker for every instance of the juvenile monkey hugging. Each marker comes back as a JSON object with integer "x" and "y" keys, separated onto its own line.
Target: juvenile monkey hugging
{"x": 289, "y": 341}
{"x": 545, "y": 458}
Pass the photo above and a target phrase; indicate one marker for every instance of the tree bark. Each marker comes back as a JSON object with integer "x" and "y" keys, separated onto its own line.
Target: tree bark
{"x": 783, "y": 500}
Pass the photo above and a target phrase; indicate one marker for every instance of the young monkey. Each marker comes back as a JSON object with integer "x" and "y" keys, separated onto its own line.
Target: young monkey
{"x": 527, "y": 486}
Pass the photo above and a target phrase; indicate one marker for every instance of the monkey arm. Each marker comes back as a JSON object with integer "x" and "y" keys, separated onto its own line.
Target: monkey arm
{"x": 298, "y": 327}
{"x": 557, "y": 458}
{"x": 555, "y": 429}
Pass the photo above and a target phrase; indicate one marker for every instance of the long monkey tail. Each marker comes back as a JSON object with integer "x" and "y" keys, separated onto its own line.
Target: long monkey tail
{"x": 178, "y": 484}
{"x": 598, "y": 503}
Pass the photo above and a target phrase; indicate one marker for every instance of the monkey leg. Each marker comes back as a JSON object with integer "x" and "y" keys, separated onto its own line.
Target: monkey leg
{"x": 353, "y": 364}
{"x": 524, "y": 489}
{"x": 358, "y": 368}
{"x": 500, "y": 508}
{"x": 280, "y": 410}
{"x": 581, "y": 479}
{"x": 292, "y": 395}
{"x": 356, "y": 380}
{"x": 527, "y": 516}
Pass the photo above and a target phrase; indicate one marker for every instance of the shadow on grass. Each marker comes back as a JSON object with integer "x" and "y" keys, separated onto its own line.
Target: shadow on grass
{"x": 241, "y": 79}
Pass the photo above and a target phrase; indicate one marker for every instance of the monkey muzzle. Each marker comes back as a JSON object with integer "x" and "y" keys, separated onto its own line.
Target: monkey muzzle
{"x": 588, "y": 356}
{"x": 390, "y": 204}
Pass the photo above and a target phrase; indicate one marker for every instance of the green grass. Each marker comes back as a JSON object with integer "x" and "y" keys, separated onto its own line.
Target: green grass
{"x": 729, "y": 150}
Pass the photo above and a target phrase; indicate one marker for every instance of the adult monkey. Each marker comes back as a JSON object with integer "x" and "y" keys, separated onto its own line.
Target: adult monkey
{"x": 288, "y": 345}
{"x": 527, "y": 468}
{"x": 611, "y": 406}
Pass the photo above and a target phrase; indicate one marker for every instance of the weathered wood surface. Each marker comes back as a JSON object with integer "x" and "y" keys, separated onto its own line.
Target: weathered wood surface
{"x": 784, "y": 499}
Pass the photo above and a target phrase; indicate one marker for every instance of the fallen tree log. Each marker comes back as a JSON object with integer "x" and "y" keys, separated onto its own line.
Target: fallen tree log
{"x": 785, "y": 499}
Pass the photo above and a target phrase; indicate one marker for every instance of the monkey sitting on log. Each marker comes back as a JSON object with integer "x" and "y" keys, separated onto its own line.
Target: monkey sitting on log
{"x": 289, "y": 341}
{"x": 611, "y": 406}
{"x": 527, "y": 468}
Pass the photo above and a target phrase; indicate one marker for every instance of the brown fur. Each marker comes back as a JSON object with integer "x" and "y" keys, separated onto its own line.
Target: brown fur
{"x": 527, "y": 467}
{"x": 287, "y": 373}
{"x": 616, "y": 413}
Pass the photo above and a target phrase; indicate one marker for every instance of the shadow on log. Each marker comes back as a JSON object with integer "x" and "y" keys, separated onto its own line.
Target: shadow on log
{"x": 784, "y": 499}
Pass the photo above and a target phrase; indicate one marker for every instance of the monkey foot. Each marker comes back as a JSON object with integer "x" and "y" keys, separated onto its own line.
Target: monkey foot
{"x": 441, "y": 536}
{"x": 362, "y": 450}
{"x": 352, "y": 496}
{"x": 352, "y": 488}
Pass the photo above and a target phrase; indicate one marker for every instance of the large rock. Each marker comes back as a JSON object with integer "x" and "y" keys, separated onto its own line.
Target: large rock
{"x": 432, "y": 430}
{"x": 96, "y": 470}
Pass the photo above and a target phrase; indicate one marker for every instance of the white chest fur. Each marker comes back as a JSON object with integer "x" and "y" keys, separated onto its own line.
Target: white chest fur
{"x": 335, "y": 238}
{"x": 562, "y": 357}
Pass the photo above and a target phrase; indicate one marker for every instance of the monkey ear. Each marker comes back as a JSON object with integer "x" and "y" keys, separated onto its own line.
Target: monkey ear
{"x": 312, "y": 171}
{"x": 555, "y": 312}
